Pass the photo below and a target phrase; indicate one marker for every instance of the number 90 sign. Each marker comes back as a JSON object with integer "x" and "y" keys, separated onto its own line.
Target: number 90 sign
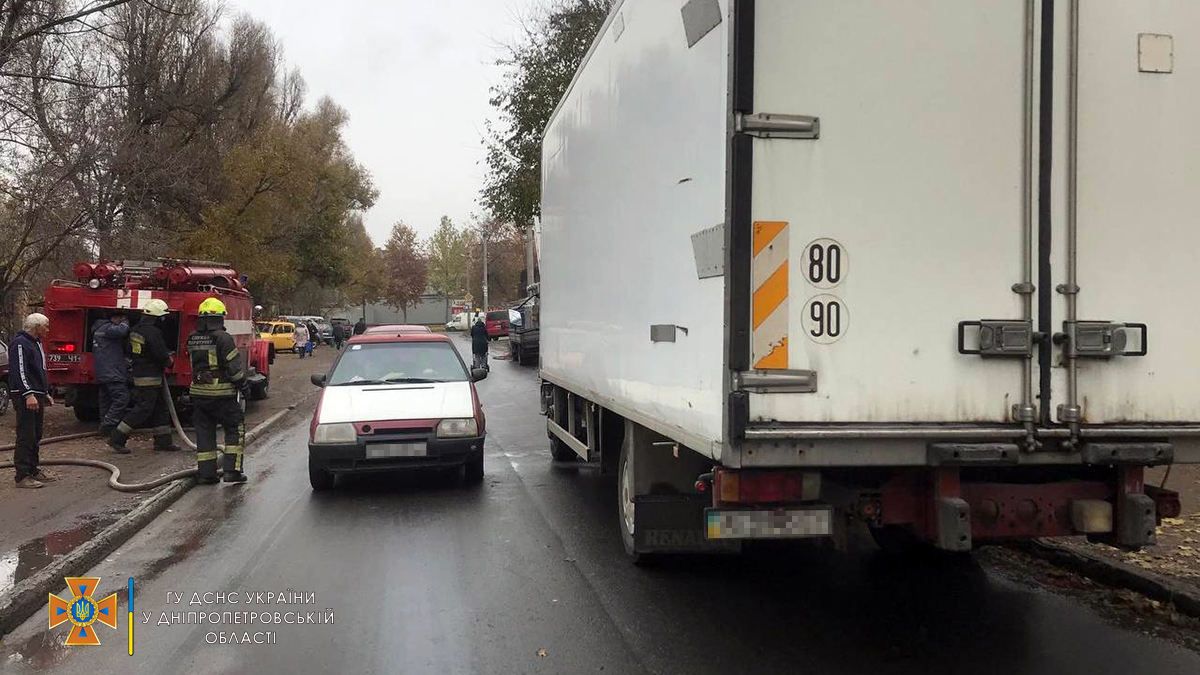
{"x": 825, "y": 319}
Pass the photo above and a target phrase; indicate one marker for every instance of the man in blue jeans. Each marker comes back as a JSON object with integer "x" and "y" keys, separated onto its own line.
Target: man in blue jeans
{"x": 109, "y": 340}
{"x": 30, "y": 392}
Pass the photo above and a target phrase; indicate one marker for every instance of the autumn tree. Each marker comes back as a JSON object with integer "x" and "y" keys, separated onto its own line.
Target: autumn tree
{"x": 367, "y": 276}
{"x": 405, "y": 269}
{"x": 447, "y": 254}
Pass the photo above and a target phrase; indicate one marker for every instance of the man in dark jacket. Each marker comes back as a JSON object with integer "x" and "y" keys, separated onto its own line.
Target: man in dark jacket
{"x": 149, "y": 359}
{"x": 339, "y": 335}
{"x": 109, "y": 343}
{"x": 217, "y": 383}
{"x": 479, "y": 343}
{"x": 30, "y": 392}
{"x": 360, "y": 327}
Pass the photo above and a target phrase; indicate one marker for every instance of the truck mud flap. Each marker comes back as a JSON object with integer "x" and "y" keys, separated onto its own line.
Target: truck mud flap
{"x": 674, "y": 524}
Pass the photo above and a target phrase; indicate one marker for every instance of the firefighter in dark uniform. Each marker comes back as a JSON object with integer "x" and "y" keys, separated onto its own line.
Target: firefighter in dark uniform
{"x": 218, "y": 385}
{"x": 149, "y": 360}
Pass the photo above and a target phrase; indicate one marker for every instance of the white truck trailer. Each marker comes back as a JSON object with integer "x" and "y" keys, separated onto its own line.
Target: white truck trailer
{"x": 910, "y": 264}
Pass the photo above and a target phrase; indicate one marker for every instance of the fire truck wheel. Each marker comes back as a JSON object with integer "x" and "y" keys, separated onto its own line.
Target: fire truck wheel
{"x": 86, "y": 413}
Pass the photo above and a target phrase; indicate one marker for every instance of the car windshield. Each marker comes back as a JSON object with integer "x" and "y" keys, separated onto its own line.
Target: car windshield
{"x": 501, "y": 315}
{"x": 398, "y": 362}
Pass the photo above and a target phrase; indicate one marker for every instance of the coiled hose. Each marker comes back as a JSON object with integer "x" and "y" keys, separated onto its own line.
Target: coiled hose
{"x": 114, "y": 480}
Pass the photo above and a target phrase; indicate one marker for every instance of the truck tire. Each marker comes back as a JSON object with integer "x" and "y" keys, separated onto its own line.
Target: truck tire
{"x": 319, "y": 477}
{"x": 626, "y": 488}
{"x": 86, "y": 413}
{"x": 560, "y": 451}
{"x": 260, "y": 391}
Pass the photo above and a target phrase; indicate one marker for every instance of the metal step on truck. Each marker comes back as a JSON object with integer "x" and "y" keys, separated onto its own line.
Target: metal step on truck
{"x": 810, "y": 265}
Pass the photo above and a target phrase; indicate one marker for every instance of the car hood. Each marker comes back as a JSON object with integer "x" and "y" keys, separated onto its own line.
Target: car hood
{"x": 379, "y": 402}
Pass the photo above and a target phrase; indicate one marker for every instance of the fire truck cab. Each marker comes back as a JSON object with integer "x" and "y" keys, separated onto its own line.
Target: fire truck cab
{"x": 102, "y": 288}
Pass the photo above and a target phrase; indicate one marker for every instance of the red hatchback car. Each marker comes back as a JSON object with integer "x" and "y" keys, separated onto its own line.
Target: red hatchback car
{"x": 497, "y": 324}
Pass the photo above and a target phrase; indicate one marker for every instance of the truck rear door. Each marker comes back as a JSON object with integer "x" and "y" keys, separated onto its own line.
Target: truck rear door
{"x": 1132, "y": 202}
{"x": 908, "y": 213}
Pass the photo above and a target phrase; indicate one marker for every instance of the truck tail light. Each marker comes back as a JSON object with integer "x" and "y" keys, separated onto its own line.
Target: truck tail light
{"x": 64, "y": 347}
{"x": 766, "y": 487}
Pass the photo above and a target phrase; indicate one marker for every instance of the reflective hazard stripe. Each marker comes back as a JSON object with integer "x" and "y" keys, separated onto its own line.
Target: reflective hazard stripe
{"x": 769, "y": 309}
{"x": 147, "y": 381}
{"x": 212, "y": 390}
{"x": 207, "y": 456}
{"x": 231, "y": 355}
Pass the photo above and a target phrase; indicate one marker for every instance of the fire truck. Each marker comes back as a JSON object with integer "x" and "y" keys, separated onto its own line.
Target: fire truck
{"x": 100, "y": 288}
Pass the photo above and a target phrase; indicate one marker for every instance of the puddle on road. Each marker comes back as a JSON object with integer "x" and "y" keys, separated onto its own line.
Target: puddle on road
{"x": 17, "y": 565}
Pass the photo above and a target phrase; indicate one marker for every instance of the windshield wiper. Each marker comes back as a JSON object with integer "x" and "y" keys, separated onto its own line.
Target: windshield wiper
{"x": 410, "y": 380}
{"x": 354, "y": 382}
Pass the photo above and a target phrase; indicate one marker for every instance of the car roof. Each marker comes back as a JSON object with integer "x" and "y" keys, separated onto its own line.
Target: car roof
{"x": 275, "y": 321}
{"x": 398, "y": 328}
{"x": 378, "y": 338}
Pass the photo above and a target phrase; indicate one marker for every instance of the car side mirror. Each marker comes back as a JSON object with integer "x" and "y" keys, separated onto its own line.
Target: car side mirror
{"x": 318, "y": 379}
{"x": 478, "y": 374}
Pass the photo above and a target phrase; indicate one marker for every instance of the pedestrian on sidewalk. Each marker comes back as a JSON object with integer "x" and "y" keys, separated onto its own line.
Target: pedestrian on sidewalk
{"x": 301, "y": 339}
{"x": 314, "y": 336}
{"x": 30, "y": 392}
{"x": 479, "y": 343}
{"x": 339, "y": 336}
{"x": 149, "y": 360}
{"x": 110, "y": 339}
{"x": 360, "y": 326}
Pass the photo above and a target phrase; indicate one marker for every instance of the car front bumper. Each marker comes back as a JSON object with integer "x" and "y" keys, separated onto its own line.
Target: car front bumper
{"x": 352, "y": 457}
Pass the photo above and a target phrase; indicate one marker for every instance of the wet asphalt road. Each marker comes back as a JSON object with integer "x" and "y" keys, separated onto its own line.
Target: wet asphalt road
{"x": 427, "y": 576}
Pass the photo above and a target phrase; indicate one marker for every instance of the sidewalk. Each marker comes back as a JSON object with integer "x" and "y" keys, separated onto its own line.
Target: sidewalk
{"x": 41, "y": 525}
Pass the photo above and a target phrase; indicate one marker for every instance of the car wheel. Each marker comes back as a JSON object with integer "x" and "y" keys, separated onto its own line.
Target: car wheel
{"x": 319, "y": 477}
{"x": 473, "y": 470}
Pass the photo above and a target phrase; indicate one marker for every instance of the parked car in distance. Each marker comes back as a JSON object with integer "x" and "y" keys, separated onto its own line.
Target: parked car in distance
{"x": 281, "y": 334}
{"x": 324, "y": 330}
{"x": 346, "y": 324}
{"x": 393, "y": 402}
{"x": 497, "y": 323}
{"x": 397, "y": 328}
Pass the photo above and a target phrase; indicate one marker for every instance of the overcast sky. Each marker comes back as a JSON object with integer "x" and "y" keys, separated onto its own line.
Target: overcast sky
{"x": 414, "y": 77}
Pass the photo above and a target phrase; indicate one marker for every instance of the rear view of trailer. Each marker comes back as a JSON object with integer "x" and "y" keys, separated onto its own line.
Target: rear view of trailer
{"x": 910, "y": 261}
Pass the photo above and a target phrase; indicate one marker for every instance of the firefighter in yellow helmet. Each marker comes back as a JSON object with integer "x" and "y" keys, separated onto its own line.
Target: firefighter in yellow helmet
{"x": 149, "y": 358}
{"x": 218, "y": 387}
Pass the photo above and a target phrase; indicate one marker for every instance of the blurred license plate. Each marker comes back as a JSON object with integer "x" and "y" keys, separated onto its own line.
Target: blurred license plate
{"x": 65, "y": 358}
{"x": 774, "y": 524}
{"x": 375, "y": 450}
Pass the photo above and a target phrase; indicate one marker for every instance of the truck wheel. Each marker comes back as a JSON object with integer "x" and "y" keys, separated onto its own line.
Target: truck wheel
{"x": 85, "y": 413}
{"x": 260, "y": 391}
{"x": 560, "y": 451}
{"x": 318, "y": 477}
{"x": 626, "y": 491}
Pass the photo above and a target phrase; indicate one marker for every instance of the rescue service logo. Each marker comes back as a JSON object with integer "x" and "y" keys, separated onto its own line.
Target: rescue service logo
{"x": 82, "y": 611}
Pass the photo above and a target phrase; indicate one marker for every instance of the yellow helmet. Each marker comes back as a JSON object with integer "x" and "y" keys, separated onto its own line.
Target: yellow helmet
{"x": 212, "y": 306}
{"x": 155, "y": 307}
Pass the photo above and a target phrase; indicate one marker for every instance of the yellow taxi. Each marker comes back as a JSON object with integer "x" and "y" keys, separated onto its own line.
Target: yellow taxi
{"x": 281, "y": 334}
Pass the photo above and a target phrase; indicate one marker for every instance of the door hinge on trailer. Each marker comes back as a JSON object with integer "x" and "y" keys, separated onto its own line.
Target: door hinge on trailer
{"x": 773, "y": 125}
{"x": 776, "y": 381}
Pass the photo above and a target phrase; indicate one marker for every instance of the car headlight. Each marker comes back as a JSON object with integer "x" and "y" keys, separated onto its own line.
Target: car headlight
{"x": 335, "y": 433}
{"x": 457, "y": 428}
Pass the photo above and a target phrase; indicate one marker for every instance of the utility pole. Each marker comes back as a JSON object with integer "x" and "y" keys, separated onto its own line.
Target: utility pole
{"x": 485, "y": 273}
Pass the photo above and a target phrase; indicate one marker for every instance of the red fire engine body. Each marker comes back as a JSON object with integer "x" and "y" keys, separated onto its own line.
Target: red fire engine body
{"x": 74, "y": 307}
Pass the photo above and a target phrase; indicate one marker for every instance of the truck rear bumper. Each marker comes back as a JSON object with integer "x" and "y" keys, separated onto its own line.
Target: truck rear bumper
{"x": 869, "y": 445}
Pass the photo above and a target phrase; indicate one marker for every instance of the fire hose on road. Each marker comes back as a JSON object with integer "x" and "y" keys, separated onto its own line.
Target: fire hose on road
{"x": 114, "y": 480}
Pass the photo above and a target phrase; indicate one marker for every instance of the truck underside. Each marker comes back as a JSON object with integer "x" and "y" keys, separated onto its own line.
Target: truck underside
{"x": 673, "y": 499}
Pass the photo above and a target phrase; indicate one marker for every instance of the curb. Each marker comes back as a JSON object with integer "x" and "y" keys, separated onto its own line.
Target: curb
{"x": 29, "y": 596}
{"x": 1184, "y": 597}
